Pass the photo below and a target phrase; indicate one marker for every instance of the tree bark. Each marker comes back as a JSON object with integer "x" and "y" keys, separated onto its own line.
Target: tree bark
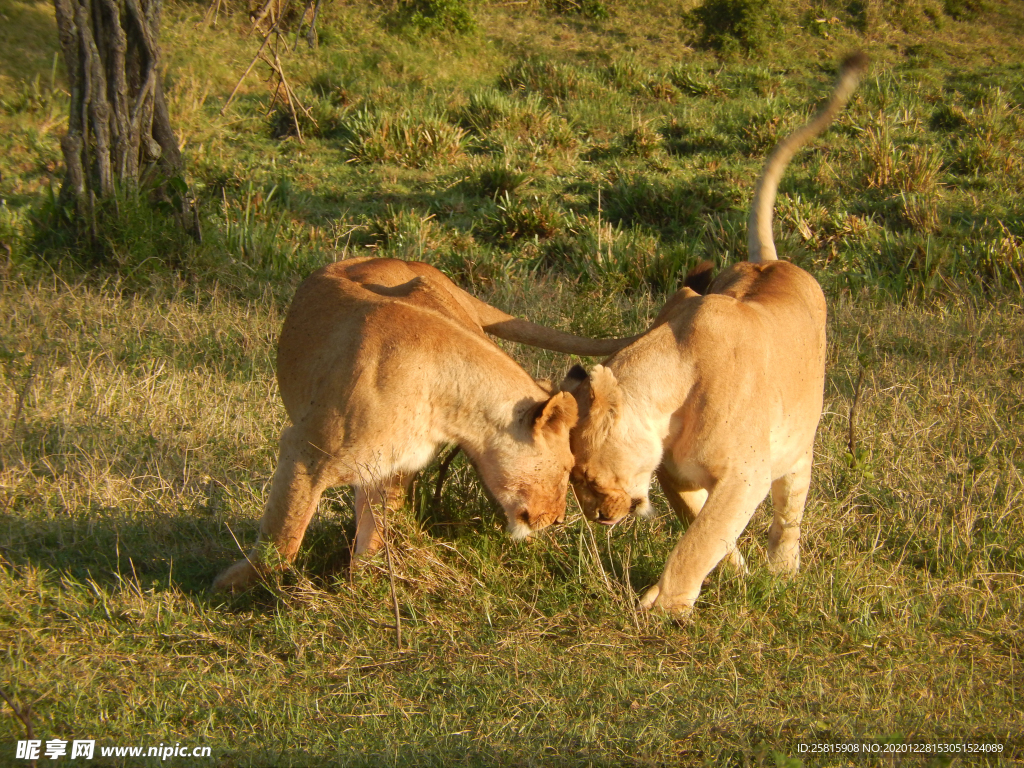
{"x": 118, "y": 127}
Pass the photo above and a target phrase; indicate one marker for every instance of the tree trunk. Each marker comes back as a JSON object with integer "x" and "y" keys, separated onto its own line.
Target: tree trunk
{"x": 119, "y": 127}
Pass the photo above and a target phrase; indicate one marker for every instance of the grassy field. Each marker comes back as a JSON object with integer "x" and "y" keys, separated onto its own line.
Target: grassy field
{"x": 567, "y": 161}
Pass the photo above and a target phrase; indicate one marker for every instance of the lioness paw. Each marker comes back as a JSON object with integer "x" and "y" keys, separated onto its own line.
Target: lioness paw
{"x": 784, "y": 561}
{"x": 677, "y": 606}
{"x": 736, "y": 560}
{"x": 362, "y": 561}
{"x": 650, "y": 597}
{"x": 237, "y": 578}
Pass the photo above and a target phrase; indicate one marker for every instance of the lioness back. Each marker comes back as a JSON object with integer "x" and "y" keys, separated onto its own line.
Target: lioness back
{"x": 415, "y": 281}
{"x": 390, "y": 277}
{"x": 337, "y": 329}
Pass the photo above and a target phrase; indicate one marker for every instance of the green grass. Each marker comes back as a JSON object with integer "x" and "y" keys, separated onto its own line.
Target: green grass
{"x": 567, "y": 162}
{"x": 139, "y": 456}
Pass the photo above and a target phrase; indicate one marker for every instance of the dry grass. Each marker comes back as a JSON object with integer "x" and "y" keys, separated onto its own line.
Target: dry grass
{"x": 143, "y": 445}
{"x": 139, "y": 414}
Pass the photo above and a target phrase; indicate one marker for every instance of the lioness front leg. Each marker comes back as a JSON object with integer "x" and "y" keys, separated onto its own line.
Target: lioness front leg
{"x": 383, "y": 496}
{"x": 711, "y": 537}
{"x": 789, "y": 495}
{"x": 295, "y": 491}
{"x": 687, "y": 504}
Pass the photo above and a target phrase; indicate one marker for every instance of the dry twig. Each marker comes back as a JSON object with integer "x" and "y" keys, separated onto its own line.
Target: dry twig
{"x": 19, "y": 407}
{"x": 214, "y": 10}
{"x": 294, "y": 105}
{"x": 385, "y": 536}
{"x": 268, "y": 10}
{"x": 391, "y": 577}
{"x": 311, "y": 37}
{"x": 248, "y": 69}
{"x": 442, "y": 473}
{"x": 24, "y": 715}
{"x": 852, "y": 444}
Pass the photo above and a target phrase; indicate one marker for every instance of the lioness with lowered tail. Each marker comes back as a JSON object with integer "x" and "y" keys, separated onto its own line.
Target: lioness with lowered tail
{"x": 380, "y": 363}
{"x": 721, "y": 398}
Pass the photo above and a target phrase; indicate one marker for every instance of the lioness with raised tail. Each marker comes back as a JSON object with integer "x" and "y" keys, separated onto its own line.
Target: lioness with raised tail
{"x": 721, "y": 398}
{"x": 382, "y": 362}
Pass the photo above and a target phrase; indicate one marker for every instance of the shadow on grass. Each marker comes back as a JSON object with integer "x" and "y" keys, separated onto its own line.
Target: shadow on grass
{"x": 157, "y": 550}
{"x": 184, "y": 546}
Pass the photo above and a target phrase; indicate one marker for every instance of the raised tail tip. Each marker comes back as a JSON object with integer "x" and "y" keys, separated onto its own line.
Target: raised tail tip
{"x": 699, "y": 278}
{"x": 855, "y": 63}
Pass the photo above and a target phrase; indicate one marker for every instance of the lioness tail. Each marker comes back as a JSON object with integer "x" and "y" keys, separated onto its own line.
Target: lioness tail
{"x": 504, "y": 326}
{"x": 760, "y": 242}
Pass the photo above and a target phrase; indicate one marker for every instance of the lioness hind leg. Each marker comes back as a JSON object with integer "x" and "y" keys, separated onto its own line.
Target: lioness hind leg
{"x": 383, "y": 496}
{"x": 789, "y": 494}
{"x": 295, "y": 491}
{"x": 710, "y": 538}
{"x": 688, "y": 504}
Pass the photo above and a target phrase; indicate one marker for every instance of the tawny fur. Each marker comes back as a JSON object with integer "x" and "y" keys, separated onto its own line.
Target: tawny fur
{"x": 382, "y": 362}
{"x": 721, "y": 399}
{"x": 386, "y": 273}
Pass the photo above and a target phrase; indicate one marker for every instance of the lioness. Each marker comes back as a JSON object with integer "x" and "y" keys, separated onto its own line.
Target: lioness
{"x": 721, "y": 397}
{"x": 380, "y": 363}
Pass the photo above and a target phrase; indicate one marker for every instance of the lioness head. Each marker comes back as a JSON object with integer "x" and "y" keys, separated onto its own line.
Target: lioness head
{"x": 614, "y": 457}
{"x": 528, "y": 471}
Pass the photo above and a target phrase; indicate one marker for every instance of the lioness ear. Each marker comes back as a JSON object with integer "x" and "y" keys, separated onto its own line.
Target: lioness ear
{"x": 576, "y": 376}
{"x": 605, "y": 397}
{"x": 672, "y": 305}
{"x": 556, "y": 414}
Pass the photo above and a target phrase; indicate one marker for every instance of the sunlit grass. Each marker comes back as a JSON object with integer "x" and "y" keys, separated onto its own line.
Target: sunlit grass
{"x": 568, "y": 167}
{"x": 143, "y": 447}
